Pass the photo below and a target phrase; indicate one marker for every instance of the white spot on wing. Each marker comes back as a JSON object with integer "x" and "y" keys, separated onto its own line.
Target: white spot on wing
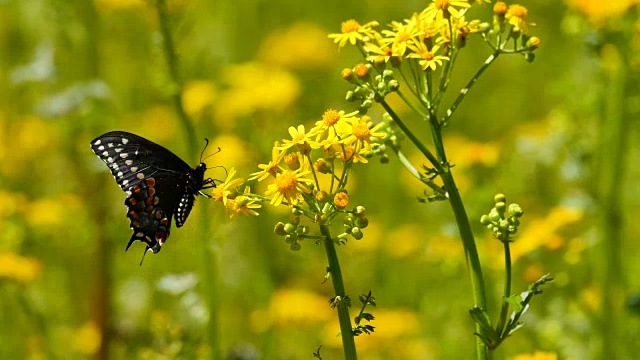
{"x": 128, "y": 162}
{"x": 120, "y": 174}
{"x": 105, "y": 153}
{"x": 124, "y": 155}
{"x": 100, "y": 147}
{"x": 98, "y": 142}
{"x": 109, "y": 160}
{"x": 125, "y": 141}
{"x": 134, "y": 168}
{"x": 110, "y": 145}
{"x": 118, "y": 150}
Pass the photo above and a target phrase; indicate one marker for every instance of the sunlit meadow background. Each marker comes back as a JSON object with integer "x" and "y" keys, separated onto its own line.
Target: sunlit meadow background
{"x": 70, "y": 71}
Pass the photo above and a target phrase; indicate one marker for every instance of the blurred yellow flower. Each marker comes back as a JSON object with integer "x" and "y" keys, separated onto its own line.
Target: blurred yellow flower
{"x": 445, "y": 9}
{"x": 19, "y": 268}
{"x": 86, "y": 339}
{"x": 11, "y": 203}
{"x": 119, "y": 4}
{"x": 158, "y": 123}
{"x": 301, "y": 46}
{"x": 234, "y": 151}
{"x": 242, "y": 205}
{"x": 405, "y": 240}
{"x": 540, "y": 232}
{"x": 291, "y": 307}
{"x": 590, "y": 297}
{"x": 197, "y": 95}
{"x": 51, "y": 212}
{"x": 464, "y": 152}
{"x": 598, "y": 11}
{"x": 538, "y": 355}
{"x": 272, "y": 167}
{"x": 517, "y": 17}
{"x": 254, "y": 87}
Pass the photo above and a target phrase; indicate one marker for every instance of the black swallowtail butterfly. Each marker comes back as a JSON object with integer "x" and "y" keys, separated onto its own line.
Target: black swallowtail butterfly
{"x": 159, "y": 184}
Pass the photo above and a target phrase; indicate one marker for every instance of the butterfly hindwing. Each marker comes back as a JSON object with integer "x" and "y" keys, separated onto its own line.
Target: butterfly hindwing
{"x": 158, "y": 183}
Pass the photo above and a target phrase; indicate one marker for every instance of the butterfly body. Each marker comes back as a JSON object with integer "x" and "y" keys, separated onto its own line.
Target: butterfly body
{"x": 160, "y": 185}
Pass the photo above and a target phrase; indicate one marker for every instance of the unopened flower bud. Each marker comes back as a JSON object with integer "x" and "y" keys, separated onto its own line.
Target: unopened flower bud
{"x": 279, "y": 229}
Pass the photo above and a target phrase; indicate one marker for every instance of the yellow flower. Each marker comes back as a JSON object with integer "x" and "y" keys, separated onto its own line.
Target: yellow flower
{"x": 444, "y": 9}
{"x": 288, "y": 186}
{"x": 303, "y": 45}
{"x": 428, "y": 58}
{"x": 223, "y": 190}
{"x": 18, "y": 268}
{"x": 87, "y": 339}
{"x": 341, "y": 200}
{"x": 332, "y": 120}
{"x": 361, "y": 134}
{"x": 353, "y": 32}
{"x": 378, "y": 54}
{"x": 538, "y": 355}
{"x": 197, "y": 96}
{"x": 272, "y": 168}
{"x": 299, "y": 138}
{"x": 401, "y": 35}
{"x": 598, "y": 11}
{"x": 347, "y": 153}
{"x": 517, "y": 17}
{"x": 242, "y": 205}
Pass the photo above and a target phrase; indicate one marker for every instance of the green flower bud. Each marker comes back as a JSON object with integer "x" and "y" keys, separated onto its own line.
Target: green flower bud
{"x": 504, "y": 225}
{"x": 289, "y": 228}
{"x": 296, "y": 211}
{"x": 362, "y": 222}
{"x": 484, "y": 220}
{"x": 303, "y": 229}
{"x": 367, "y": 104}
{"x": 279, "y": 229}
{"x": 348, "y": 219}
{"x": 529, "y": 57}
{"x": 515, "y": 210}
{"x": 381, "y": 86}
{"x": 360, "y": 211}
{"x": 295, "y": 220}
{"x": 295, "y": 247}
{"x": 499, "y": 198}
{"x": 501, "y": 207}
{"x": 494, "y": 216}
{"x": 384, "y": 159}
{"x": 290, "y": 239}
{"x": 387, "y": 74}
{"x": 357, "y": 233}
{"x": 394, "y": 85}
{"x": 350, "y": 96}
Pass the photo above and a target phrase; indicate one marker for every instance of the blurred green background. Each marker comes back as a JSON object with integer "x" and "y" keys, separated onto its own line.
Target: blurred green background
{"x": 72, "y": 70}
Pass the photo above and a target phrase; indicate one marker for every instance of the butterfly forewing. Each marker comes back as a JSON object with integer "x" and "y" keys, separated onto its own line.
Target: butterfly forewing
{"x": 159, "y": 184}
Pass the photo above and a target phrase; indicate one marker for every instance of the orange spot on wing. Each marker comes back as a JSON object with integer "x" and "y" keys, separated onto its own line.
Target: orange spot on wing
{"x": 151, "y": 182}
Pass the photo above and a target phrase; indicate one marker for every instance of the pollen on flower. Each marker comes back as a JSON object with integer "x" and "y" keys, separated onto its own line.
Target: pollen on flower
{"x": 361, "y": 131}
{"x": 330, "y": 117}
{"x": 349, "y": 26}
{"x": 341, "y": 200}
{"x": 286, "y": 182}
{"x": 361, "y": 70}
{"x": 442, "y": 4}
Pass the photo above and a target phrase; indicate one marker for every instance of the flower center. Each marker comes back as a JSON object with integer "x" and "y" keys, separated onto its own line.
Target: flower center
{"x": 427, "y": 55}
{"x": 286, "y": 182}
{"x": 361, "y": 131}
{"x": 330, "y": 117}
{"x": 218, "y": 194}
{"x": 349, "y": 26}
{"x": 442, "y": 4}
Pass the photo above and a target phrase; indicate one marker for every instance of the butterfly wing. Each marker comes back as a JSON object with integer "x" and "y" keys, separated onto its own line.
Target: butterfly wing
{"x": 157, "y": 181}
{"x": 132, "y": 158}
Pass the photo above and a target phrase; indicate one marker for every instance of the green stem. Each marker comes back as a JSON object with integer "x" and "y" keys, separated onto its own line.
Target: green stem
{"x": 423, "y": 149}
{"x": 465, "y": 90}
{"x": 504, "y": 311}
{"x": 348, "y": 342}
{"x": 210, "y": 261}
{"x": 471, "y": 254}
{"x": 464, "y": 228}
{"x": 411, "y": 104}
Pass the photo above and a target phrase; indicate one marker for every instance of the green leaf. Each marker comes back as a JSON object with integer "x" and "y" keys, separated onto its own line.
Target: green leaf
{"x": 488, "y": 335}
{"x": 516, "y": 301}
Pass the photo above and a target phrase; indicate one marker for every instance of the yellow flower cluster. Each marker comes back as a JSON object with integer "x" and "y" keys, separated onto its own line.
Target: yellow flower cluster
{"x": 337, "y": 135}
{"x": 424, "y": 36}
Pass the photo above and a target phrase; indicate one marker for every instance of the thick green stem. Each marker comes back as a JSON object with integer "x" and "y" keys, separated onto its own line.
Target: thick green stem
{"x": 348, "y": 342}
{"x": 471, "y": 254}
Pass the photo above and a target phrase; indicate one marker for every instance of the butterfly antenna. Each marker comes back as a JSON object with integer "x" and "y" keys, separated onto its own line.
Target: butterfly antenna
{"x": 206, "y": 143}
{"x": 144, "y": 254}
{"x": 210, "y": 155}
